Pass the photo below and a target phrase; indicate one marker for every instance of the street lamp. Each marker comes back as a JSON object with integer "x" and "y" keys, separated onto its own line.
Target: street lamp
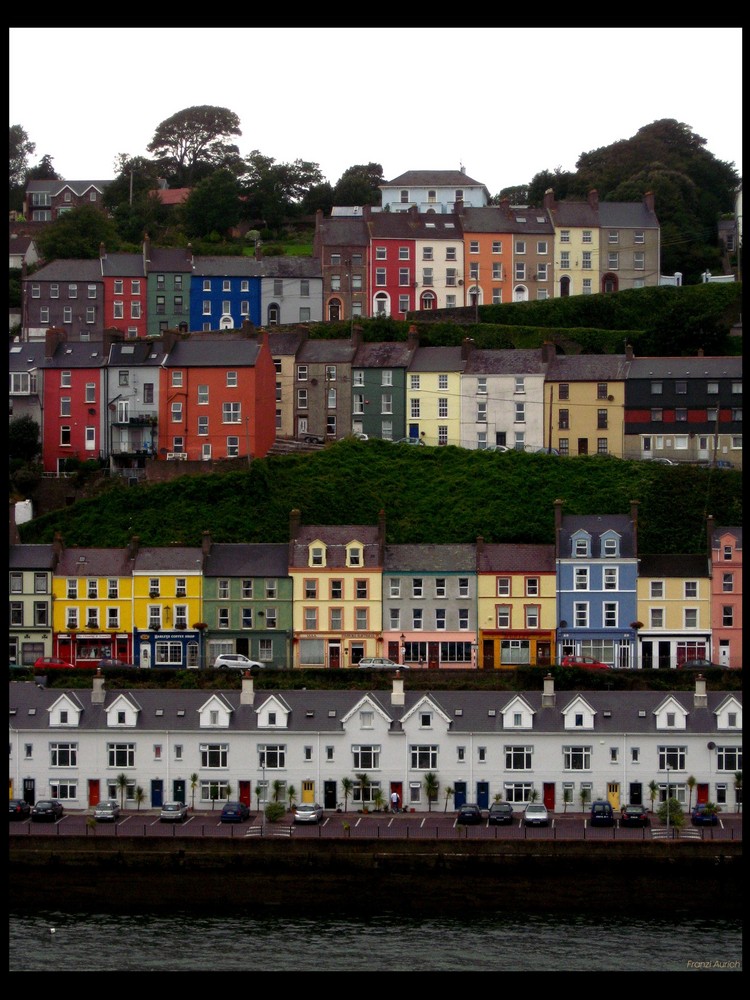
{"x": 667, "y": 800}
{"x": 402, "y": 638}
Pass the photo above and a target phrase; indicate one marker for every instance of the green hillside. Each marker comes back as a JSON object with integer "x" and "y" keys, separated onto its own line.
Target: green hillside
{"x": 429, "y": 495}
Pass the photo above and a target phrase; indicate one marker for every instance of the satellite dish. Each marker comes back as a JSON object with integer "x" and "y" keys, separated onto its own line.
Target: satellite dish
{"x": 711, "y": 745}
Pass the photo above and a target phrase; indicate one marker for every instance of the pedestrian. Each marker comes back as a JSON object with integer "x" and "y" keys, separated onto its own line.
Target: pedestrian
{"x": 394, "y": 802}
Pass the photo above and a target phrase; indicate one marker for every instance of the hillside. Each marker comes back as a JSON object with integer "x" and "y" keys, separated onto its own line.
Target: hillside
{"x": 429, "y": 495}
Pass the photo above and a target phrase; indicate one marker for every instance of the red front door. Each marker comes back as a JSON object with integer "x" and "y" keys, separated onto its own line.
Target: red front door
{"x": 548, "y": 795}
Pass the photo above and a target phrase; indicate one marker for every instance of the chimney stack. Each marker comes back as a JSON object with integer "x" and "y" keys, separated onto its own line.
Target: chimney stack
{"x": 634, "y": 518}
{"x": 710, "y": 528}
{"x": 700, "y": 698}
{"x": 397, "y": 694}
{"x": 594, "y": 199}
{"x": 247, "y": 694}
{"x": 558, "y": 526}
{"x": 548, "y": 694}
{"x": 133, "y": 546}
{"x": 97, "y": 694}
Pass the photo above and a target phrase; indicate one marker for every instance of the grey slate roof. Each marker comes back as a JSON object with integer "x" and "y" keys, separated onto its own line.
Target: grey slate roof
{"x": 437, "y": 178}
{"x": 497, "y": 219}
{"x": 290, "y": 267}
{"x": 228, "y": 267}
{"x": 437, "y": 359}
{"x": 719, "y": 531}
{"x": 282, "y": 344}
{"x": 58, "y": 186}
{"x": 430, "y": 558}
{"x": 75, "y": 271}
{"x": 505, "y": 362}
{"x": 678, "y": 565}
{"x": 168, "y": 559}
{"x": 413, "y": 226}
{"x": 137, "y": 352}
{"x": 78, "y": 354}
{"x": 343, "y": 231}
{"x": 94, "y": 562}
{"x": 588, "y": 368}
{"x": 596, "y": 525}
{"x": 326, "y": 352}
{"x": 626, "y": 215}
{"x": 169, "y": 259}
{"x": 268, "y": 559}
{"x": 390, "y": 354}
{"x": 201, "y": 350}
{"x": 474, "y": 706}
{"x": 728, "y": 367}
{"x": 126, "y": 265}
{"x": 21, "y": 357}
{"x": 510, "y": 558}
{"x": 336, "y": 537}
{"x": 39, "y": 557}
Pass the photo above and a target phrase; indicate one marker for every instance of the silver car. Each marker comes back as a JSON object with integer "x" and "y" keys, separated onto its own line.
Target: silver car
{"x": 107, "y": 811}
{"x": 380, "y": 663}
{"x": 173, "y": 812}
{"x": 535, "y": 815}
{"x": 308, "y": 812}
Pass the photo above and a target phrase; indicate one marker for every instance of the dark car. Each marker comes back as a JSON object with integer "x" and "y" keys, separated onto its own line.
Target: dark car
{"x": 469, "y": 814}
{"x": 500, "y": 814}
{"x": 234, "y": 812}
{"x": 704, "y": 814}
{"x": 634, "y": 816}
{"x": 47, "y": 811}
{"x": 313, "y": 439}
{"x": 698, "y": 663}
{"x": 601, "y": 814}
{"x": 19, "y": 809}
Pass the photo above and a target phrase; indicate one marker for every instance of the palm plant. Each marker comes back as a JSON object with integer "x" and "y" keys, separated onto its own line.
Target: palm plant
{"x": 653, "y": 792}
{"x": 258, "y": 793}
{"x": 691, "y": 783}
{"x": 291, "y": 793}
{"x": 122, "y": 786}
{"x": 378, "y": 798}
{"x": 140, "y": 795}
{"x": 346, "y": 785}
{"x": 193, "y": 786}
{"x": 364, "y": 782}
{"x": 431, "y": 787}
{"x": 567, "y": 798}
{"x": 738, "y": 790}
{"x": 584, "y": 796}
{"x": 276, "y": 789}
{"x": 449, "y": 793}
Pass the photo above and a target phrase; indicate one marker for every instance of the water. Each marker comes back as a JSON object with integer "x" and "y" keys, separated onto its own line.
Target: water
{"x": 184, "y": 942}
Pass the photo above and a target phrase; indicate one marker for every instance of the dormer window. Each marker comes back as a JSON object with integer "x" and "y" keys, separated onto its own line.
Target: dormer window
{"x": 63, "y": 718}
{"x": 355, "y": 556}
{"x": 317, "y": 556}
{"x": 610, "y": 547}
{"x": 581, "y": 547}
{"x": 120, "y": 718}
{"x": 272, "y": 718}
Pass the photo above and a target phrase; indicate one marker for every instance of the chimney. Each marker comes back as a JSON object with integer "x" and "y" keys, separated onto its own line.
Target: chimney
{"x": 97, "y": 694}
{"x": 558, "y": 504}
{"x": 700, "y": 698}
{"x": 102, "y": 252}
{"x": 189, "y": 258}
{"x": 248, "y": 330}
{"x": 381, "y": 536}
{"x": 700, "y": 352}
{"x": 247, "y": 694}
{"x": 710, "y": 528}
{"x": 133, "y": 546}
{"x": 52, "y": 340}
{"x": 412, "y": 339}
{"x": 397, "y": 694}
{"x": 548, "y": 694}
{"x": 294, "y": 522}
{"x": 356, "y": 337}
{"x": 628, "y": 352}
{"x": 146, "y": 249}
{"x": 467, "y": 346}
{"x": 594, "y": 199}
{"x": 206, "y": 543}
{"x": 549, "y": 200}
{"x": 58, "y": 545}
{"x": 549, "y": 352}
{"x": 480, "y": 547}
{"x": 634, "y": 518}
{"x": 648, "y": 201}
{"x": 413, "y": 211}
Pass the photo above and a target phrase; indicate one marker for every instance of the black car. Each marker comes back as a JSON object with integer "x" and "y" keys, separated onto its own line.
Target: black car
{"x": 501, "y": 814}
{"x": 19, "y": 809}
{"x": 469, "y": 814}
{"x": 601, "y": 814}
{"x": 699, "y": 663}
{"x": 634, "y": 816}
{"x": 47, "y": 811}
{"x": 234, "y": 812}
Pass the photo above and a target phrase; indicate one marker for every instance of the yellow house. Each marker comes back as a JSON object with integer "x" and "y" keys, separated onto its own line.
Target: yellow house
{"x": 433, "y": 395}
{"x": 336, "y": 573}
{"x": 168, "y": 625}
{"x": 516, "y": 605}
{"x": 584, "y": 403}
{"x": 92, "y": 601}
{"x": 674, "y": 610}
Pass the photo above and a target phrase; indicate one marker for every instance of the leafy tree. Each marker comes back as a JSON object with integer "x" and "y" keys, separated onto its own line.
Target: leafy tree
{"x": 78, "y": 235}
{"x": 136, "y": 177}
{"x": 359, "y": 185}
{"x": 346, "y": 787}
{"x": 193, "y": 142}
{"x": 23, "y": 439}
{"x": 274, "y": 191}
{"x": 14, "y": 288}
{"x": 319, "y": 196}
{"x": 21, "y": 148}
{"x": 43, "y": 171}
{"x": 671, "y": 810}
{"x": 561, "y": 182}
{"x": 214, "y": 204}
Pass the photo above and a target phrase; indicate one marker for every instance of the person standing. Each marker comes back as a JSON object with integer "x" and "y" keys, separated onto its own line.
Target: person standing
{"x": 394, "y": 801}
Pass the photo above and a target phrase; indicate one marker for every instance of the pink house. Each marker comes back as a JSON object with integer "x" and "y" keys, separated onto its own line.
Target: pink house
{"x": 726, "y": 594}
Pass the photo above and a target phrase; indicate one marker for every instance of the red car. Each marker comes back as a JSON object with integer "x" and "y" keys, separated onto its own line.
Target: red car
{"x": 587, "y": 662}
{"x": 52, "y": 663}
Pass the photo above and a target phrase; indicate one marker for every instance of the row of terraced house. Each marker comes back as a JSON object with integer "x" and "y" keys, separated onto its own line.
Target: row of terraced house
{"x": 336, "y": 594}
{"x": 229, "y": 395}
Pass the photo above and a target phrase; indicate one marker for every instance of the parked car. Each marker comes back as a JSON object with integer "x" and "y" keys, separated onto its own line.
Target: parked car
{"x": 380, "y": 663}
{"x": 601, "y": 814}
{"x": 52, "y": 663}
{"x": 313, "y": 439}
{"x": 535, "y": 815}
{"x": 308, "y": 812}
{"x": 500, "y": 814}
{"x": 234, "y": 812}
{"x": 47, "y": 811}
{"x": 236, "y": 661}
{"x": 634, "y": 816}
{"x": 663, "y": 461}
{"x": 409, "y": 440}
{"x": 497, "y": 447}
{"x": 698, "y": 663}
{"x": 112, "y": 662}
{"x": 19, "y": 809}
{"x": 107, "y": 811}
{"x": 723, "y": 463}
{"x": 586, "y": 662}
{"x": 359, "y": 436}
{"x": 546, "y": 451}
{"x": 704, "y": 814}
{"x": 469, "y": 814}
{"x": 173, "y": 812}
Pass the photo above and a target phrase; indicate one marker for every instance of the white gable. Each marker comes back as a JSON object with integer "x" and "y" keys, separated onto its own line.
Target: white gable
{"x": 578, "y": 714}
{"x": 215, "y": 712}
{"x": 426, "y": 706}
{"x": 670, "y": 715}
{"x": 122, "y": 713}
{"x": 518, "y": 706}
{"x": 365, "y": 704}
{"x": 729, "y": 715}
{"x": 65, "y": 711}
{"x": 273, "y": 714}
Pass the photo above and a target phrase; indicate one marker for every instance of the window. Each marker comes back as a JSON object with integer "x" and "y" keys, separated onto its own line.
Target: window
{"x": 656, "y": 618}
{"x": 365, "y": 758}
{"x": 231, "y": 413}
{"x": 727, "y": 616}
{"x": 518, "y": 758}
{"x": 214, "y": 755}
{"x": 532, "y": 586}
{"x": 563, "y": 420}
{"x": 424, "y": 758}
{"x": 577, "y": 758}
{"x": 581, "y": 615}
{"x": 503, "y": 616}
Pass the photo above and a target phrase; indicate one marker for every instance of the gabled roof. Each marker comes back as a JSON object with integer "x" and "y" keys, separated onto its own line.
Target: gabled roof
{"x": 58, "y": 186}
{"x": 281, "y": 344}
{"x": 76, "y": 271}
{"x": 459, "y": 558}
{"x": 727, "y": 367}
{"x": 336, "y": 538}
{"x": 39, "y": 557}
{"x": 626, "y": 215}
{"x": 588, "y": 368}
{"x": 514, "y": 558}
{"x": 266, "y": 559}
{"x": 721, "y": 532}
{"x": 205, "y": 350}
{"x": 522, "y": 361}
{"x": 434, "y": 178}
{"x": 597, "y": 525}
{"x": 125, "y": 265}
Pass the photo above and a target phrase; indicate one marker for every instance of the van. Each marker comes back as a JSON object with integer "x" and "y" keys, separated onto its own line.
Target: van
{"x": 601, "y": 814}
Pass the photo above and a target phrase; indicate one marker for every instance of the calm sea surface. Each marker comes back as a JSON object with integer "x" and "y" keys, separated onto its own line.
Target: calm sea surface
{"x": 184, "y": 942}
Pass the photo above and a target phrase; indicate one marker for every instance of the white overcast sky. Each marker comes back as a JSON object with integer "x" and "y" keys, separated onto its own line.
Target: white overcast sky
{"x": 506, "y": 103}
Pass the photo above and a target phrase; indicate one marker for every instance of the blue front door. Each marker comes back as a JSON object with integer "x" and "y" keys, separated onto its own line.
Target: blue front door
{"x": 157, "y": 793}
{"x": 483, "y": 794}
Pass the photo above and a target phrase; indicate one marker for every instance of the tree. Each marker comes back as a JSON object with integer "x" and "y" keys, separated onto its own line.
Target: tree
{"x": 567, "y": 798}
{"x": 276, "y": 786}
{"x": 195, "y": 140}
{"x": 378, "y": 798}
{"x": 121, "y": 781}
{"x": 653, "y": 792}
{"x": 346, "y": 786}
{"x": 738, "y": 790}
{"x": 449, "y": 793}
{"x": 363, "y": 781}
{"x": 23, "y": 440}
{"x": 691, "y": 783}
{"x": 193, "y": 786}
{"x": 431, "y": 786}
{"x": 274, "y": 191}
{"x": 359, "y": 185}
{"x": 43, "y": 171}
{"x": 584, "y": 796}
{"x": 291, "y": 794}
{"x": 78, "y": 235}
{"x": 258, "y": 793}
{"x": 671, "y": 811}
{"x": 21, "y": 149}
{"x": 320, "y": 196}
{"x": 213, "y": 205}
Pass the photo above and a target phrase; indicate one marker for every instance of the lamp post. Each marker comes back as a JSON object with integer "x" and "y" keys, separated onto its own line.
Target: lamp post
{"x": 667, "y": 800}
{"x": 402, "y": 639}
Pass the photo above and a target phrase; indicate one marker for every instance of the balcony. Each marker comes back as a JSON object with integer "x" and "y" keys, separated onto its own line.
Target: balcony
{"x": 143, "y": 420}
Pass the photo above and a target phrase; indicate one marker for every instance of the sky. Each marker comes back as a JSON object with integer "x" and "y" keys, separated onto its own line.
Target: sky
{"x": 504, "y": 103}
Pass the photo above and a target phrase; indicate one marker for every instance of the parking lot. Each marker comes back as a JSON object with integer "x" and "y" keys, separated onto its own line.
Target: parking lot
{"x": 335, "y": 825}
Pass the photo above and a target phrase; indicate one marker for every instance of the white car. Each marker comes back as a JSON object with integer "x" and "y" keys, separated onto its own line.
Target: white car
{"x": 236, "y": 661}
{"x": 535, "y": 815}
{"x": 380, "y": 663}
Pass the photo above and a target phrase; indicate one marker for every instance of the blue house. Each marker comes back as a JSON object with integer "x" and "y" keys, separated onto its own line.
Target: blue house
{"x": 225, "y": 292}
{"x": 597, "y": 573}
